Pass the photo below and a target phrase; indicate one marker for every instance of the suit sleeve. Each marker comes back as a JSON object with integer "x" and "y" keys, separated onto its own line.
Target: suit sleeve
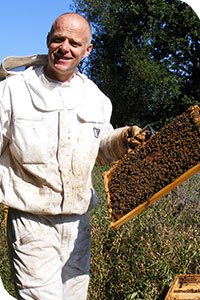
{"x": 4, "y": 115}
{"x": 111, "y": 144}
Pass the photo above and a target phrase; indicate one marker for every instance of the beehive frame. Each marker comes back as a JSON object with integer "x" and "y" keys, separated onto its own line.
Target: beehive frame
{"x": 185, "y": 287}
{"x": 133, "y": 213}
{"x": 191, "y": 119}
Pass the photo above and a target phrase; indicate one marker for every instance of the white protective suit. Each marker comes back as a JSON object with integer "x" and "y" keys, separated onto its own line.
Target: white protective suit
{"x": 51, "y": 135}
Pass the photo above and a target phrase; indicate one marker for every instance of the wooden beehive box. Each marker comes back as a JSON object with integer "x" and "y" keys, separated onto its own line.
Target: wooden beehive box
{"x": 149, "y": 172}
{"x": 185, "y": 287}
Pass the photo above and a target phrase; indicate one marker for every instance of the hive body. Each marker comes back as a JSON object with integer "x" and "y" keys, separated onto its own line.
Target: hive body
{"x": 165, "y": 157}
{"x": 185, "y": 287}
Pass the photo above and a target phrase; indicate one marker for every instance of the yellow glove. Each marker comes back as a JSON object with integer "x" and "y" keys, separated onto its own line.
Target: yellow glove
{"x": 134, "y": 136}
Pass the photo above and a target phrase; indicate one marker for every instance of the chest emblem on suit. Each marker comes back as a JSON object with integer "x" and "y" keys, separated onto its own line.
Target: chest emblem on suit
{"x": 96, "y": 132}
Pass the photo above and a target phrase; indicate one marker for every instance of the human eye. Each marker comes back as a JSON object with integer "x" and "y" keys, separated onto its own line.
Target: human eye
{"x": 74, "y": 43}
{"x": 57, "y": 39}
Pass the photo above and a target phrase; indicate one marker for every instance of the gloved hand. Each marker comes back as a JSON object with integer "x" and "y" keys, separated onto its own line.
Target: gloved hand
{"x": 134, "y": 136}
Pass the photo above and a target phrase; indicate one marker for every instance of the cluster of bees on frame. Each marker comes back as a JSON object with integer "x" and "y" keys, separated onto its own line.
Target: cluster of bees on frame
{"x": 146, "y": 170}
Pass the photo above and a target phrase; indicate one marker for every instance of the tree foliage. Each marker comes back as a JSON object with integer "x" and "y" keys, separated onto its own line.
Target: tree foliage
{"x": 146, "y": 57}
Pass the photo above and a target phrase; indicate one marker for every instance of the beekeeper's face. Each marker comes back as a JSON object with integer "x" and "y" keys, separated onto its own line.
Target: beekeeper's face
{"x": 68, "y": 43}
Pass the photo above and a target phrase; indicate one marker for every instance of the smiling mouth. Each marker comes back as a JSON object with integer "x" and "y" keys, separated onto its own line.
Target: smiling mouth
{"x": 61, "y": 58}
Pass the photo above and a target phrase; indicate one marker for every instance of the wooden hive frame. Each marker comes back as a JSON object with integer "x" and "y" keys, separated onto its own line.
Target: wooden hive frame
{"x": 133, "y": 213}
{"x": 185, "y": 287}
{"x": 162, "y": 192}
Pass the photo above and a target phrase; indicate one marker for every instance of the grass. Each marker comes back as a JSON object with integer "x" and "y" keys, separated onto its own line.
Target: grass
{"x": 141, "y": 259}
{"x": 5, "y": 271}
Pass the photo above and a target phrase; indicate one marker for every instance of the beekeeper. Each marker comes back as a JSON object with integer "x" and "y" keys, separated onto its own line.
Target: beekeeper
{"x": 54, "y": 126}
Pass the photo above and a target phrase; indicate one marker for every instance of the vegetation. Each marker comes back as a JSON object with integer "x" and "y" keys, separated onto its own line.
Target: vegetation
{"x": 145, "y": 58}
{"x": 5, "y": 271}
{"x": 141, "y": 259}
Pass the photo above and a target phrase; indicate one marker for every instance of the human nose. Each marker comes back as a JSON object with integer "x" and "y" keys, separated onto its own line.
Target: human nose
{"x": 65, "y": 46}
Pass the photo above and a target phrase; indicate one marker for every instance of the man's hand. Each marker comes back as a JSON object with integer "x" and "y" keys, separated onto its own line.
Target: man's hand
{"x": 134, "y": 136}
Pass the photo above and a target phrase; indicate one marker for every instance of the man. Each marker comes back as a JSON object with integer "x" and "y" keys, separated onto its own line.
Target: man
{"x": 54, "y": 126}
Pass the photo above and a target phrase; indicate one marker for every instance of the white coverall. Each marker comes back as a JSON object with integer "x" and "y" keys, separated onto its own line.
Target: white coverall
{"x": 51, "y": 135}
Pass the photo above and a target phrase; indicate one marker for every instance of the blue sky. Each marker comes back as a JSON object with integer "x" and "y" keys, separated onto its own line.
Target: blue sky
{"x": 24, "y": 24}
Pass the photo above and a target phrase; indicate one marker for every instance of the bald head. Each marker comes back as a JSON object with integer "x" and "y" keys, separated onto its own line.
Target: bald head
{"x": 75, "y": 17}
{"x": 69, "y": 41}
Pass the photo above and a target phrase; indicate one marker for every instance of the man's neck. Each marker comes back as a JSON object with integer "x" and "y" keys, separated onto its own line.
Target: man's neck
{"x": 63, "y": 77}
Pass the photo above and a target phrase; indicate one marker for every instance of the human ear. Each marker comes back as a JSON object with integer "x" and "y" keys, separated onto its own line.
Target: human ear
{"x": 88, "y": 50}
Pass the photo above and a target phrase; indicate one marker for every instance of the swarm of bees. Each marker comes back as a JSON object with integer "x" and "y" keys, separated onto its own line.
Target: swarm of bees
{"x": 149, "y": 168}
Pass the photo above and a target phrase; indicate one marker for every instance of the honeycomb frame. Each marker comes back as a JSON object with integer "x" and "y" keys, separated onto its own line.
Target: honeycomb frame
{"x": 167, "y": 159}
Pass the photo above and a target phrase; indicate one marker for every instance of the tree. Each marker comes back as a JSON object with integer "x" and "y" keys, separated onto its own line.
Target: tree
{"x": 146, "y": 57}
